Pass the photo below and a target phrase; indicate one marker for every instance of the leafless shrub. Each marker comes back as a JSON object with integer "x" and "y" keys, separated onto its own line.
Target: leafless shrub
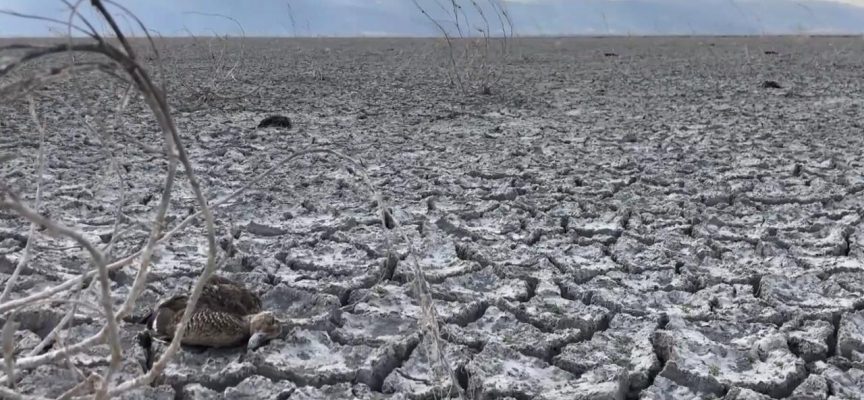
{"x": 477, "y": 57}
{"x": 307, "y": 63}
{"x": 118, "y": 58}
{"x": 225, "y": 62}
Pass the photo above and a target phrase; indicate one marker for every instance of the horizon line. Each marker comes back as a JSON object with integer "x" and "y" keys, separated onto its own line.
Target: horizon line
{"x": 532, "y": 36}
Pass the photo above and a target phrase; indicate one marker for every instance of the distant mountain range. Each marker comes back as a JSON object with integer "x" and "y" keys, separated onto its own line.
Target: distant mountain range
{"x": 530, "y": 17}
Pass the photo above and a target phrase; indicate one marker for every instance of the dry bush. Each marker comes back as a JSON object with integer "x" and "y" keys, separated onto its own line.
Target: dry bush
{"x": 119, "y": 59}
{"x": 223, "y": 58}
{"x": 307, "y": 64}
{"x": 477, "y": 57}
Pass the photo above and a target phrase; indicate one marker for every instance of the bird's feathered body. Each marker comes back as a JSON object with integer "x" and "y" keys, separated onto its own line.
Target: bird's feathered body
{"x": 226, "y": 314}
{"x": 229, "y": 296}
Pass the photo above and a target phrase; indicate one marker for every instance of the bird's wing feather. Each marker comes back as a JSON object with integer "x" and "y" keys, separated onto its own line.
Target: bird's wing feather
{"x": 231, "y": 299}
{"x": 172, "y": 305}
{"x": 215, "y": 328}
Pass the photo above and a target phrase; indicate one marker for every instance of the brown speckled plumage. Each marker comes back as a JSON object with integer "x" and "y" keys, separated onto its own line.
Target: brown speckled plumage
{"x": 227, "y": 314}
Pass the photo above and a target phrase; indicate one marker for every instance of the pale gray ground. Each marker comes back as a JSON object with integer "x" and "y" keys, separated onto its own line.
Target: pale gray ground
{"x": 653, "y": 225}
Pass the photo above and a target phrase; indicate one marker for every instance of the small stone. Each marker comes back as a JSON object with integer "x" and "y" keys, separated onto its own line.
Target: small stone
{"x": 106, "y": 237}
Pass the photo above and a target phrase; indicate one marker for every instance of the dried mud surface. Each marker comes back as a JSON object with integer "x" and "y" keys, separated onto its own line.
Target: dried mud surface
{"x": 653, "y": 224}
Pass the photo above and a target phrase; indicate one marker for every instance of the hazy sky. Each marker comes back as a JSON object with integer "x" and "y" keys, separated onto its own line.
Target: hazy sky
{"x": 401, "y": 17}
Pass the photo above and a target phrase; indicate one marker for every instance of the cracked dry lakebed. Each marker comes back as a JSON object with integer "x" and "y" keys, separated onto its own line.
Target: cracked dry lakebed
{"x": 654, "y": 223}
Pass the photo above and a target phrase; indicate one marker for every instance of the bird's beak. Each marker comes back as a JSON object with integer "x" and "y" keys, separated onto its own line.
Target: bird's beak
{"x": 257, "y": 340}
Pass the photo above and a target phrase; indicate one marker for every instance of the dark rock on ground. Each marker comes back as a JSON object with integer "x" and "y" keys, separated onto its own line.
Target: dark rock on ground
{"x": 278, "y": 121}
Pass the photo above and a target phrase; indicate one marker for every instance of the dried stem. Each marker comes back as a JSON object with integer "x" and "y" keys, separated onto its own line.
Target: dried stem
{"x": 476, "y": 66}
{"x": 13, "y": 203}
{"x": 31, "y": 237}
{"x": 108, "y": 151}
{"x": 209, "y": 90}
{"x": 60, "y": 326}
{"x": 7, "y": 339}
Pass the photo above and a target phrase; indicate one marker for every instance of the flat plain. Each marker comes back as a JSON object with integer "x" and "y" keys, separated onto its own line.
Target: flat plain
{"x": 629, "y": 218}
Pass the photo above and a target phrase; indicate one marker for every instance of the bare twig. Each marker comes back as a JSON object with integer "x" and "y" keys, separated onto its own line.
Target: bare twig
{"x": 115, "y": 232}
{"x": 220, "y": 73}
{"x": 159, "y": 106}
{"x": 477, "y": 67}
{"x": 156, "y": 101}
{"x": 13, "y": 203}
{"x": 104, "y": 139}
{"x": 31, "y": 237}
{"x": 59, "y": 342}
{"x": 60, "y": 326}
{"x": 456, "y": 77}
{"x": 7, "y": 338}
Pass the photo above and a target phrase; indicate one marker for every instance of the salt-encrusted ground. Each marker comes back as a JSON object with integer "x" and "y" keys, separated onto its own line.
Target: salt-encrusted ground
{"x": 650, "y": 225}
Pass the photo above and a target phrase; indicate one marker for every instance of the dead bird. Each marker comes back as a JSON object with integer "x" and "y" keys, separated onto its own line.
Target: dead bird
{"x": 226, "y": 314}
{"x": 275, "y": 120}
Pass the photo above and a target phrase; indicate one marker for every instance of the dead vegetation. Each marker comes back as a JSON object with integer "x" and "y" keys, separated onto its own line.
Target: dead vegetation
{"x": 225, "y": 68}
{"x": 117, "y": 57}
{"x": 478, "y": 36}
